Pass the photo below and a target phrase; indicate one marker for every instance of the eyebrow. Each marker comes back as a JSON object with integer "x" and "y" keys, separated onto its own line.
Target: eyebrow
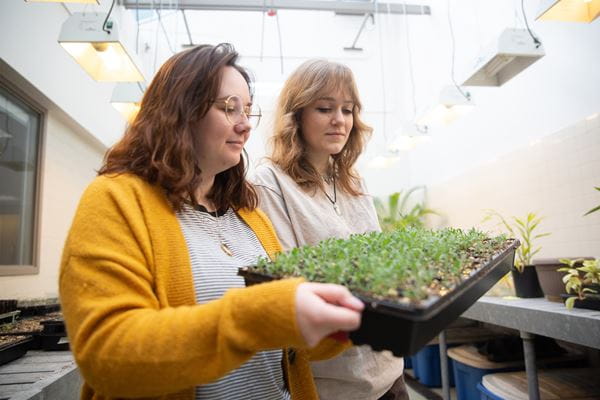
{"x": 332, "y": 99}
{"x": 226, "y": 97}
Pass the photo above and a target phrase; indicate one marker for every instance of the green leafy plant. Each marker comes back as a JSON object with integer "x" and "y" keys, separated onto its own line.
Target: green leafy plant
{"x": 595, "y": 208}
{"x": 575, "y": 282}
{"x": 396, "y": 213}
{"x": 523, "y": 229}
{"x": 405, "y": 265}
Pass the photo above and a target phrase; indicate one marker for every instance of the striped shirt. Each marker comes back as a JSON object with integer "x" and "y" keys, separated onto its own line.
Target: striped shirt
{"x": 214, "y": 272}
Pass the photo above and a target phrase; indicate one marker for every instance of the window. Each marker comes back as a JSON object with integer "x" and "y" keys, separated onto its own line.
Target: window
{"x": 19, "y": 160}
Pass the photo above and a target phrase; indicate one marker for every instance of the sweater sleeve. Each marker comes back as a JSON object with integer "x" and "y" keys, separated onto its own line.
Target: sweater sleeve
{"x": 126, "y": 341}
{"x": 271, "y": 201}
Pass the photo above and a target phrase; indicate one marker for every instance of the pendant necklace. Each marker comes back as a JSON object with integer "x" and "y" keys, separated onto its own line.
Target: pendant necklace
{"x": 333, "y": 201}
{"x": 222, "y": 243}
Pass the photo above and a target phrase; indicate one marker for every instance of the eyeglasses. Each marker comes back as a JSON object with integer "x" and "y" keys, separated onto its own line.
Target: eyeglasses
{"x": 234, "y": 110}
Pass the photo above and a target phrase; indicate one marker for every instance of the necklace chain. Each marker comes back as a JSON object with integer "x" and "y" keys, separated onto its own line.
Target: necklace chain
{"x": 333, "y": 201}
{"x": 222, "y": 243}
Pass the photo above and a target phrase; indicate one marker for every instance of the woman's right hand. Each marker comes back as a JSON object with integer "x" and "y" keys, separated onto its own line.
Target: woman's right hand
{"x": 323, "y": 308}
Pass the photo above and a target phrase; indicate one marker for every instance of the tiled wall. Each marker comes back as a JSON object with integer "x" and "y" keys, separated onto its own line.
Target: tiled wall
{"x": 554, "y": 177}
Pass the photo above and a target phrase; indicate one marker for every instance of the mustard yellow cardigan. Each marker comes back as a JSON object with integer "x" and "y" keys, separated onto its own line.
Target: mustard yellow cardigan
{"x": 129, "y": 305}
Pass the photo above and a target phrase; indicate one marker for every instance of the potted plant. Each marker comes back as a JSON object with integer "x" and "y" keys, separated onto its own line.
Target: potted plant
{"x": 550, "y": 272}
{"x": 414, "y": 281}
{"x": 524, "y": 274}
{"x": 593, "y": 210}
{"x": 396, "y": 214}
{"x": 584, "y": 287}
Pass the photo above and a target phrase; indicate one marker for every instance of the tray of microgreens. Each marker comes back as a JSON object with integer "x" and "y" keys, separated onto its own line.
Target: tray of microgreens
{"x": 414, "y": 282}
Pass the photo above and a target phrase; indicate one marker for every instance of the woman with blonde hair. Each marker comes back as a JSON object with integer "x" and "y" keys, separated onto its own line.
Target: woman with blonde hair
{"x": 311, "y": 191}
{"x": 149, "y": 289}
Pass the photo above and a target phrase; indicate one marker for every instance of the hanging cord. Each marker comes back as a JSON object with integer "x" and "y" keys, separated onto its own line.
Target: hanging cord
{"x": 466, "y": 95}
{"x": 262, "y": 30}
{"x": 280, "y": 45}
{"x": 137, "y": 37}
{"x": 420, "y": 128}
{"x": 155, "y": 41}
{"x": 410, "y": 65}
{"x": 66, "y": 9}
{"x": 137, "y": 30}
{"x": 535, "y": 40}
{"x": 107, "y": 16}
{"x": 163, "y": 29}
{"x": 187, "y": 27}
{"x": 382, "y": 71}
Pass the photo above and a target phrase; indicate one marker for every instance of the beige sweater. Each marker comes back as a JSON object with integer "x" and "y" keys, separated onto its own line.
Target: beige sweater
{"x": 306, "y": 217}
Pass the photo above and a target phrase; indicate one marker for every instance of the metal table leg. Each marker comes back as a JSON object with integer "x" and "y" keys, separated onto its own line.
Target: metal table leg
{"x": 530, "y": 367}
{"x": 444, "y": 366}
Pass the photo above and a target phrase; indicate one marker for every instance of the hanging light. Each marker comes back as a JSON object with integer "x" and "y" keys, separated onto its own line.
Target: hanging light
{"x": 64, "y": 1}
{"x": 569, "y": 10}
{"x": 410, "y": 136}
{"x": 94, "y": 42}
{"x": 383, "y": 162}
{"x": 512, "y": 52}
{"x": 454, "y": 102}
{"x": 127, "y": 98}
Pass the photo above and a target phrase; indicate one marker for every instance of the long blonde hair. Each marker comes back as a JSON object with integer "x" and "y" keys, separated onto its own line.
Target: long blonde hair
{"x": 288, "y": 148}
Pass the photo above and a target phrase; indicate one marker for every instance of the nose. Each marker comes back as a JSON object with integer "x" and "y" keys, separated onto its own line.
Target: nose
{"x": 243, "y": 126}
{"x": 338, "y": 117}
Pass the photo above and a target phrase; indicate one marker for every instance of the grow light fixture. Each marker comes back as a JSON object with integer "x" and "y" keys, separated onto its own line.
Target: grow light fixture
{"x": 410, "y": 136}
{"x": 101, "y": 53}
{"x": 512, "y": 52}
{"x": 453, "y": 103}
{"x": 569, "y": 10}
{"x": 127, "y": 98}
{"x": 382, "y": 162}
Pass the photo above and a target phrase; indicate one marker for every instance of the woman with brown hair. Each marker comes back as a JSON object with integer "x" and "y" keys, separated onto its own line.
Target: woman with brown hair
{"x": 311, "y": 192}
{"x": 149, "y": 288}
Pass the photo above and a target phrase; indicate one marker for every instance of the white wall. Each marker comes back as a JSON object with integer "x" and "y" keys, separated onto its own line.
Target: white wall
{"x": 29, "y": 45}
{"x": 560, "y": 89}
{"x": 557, "y": 91}
{"x": 80, "y": 122}
{"x": 69, "y": 162}
{"x": 553, "y": 177}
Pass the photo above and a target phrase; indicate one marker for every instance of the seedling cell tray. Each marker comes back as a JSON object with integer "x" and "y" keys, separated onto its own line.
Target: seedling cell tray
{"x": 404, "y": 328}
{"x": 12, "y": 351}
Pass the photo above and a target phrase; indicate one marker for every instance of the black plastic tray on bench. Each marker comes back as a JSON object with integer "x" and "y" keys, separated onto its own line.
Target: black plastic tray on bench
{"x": 14, "y": 350}
{"x": 406, "y": 328}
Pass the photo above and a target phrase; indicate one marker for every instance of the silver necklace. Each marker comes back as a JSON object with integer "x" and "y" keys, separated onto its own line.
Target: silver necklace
{"x": 333, "y": 201}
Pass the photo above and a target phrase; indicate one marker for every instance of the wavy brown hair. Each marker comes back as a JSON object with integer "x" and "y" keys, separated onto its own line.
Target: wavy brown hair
{"x": 159, "y": 144}
{"x": 288, "y": 148}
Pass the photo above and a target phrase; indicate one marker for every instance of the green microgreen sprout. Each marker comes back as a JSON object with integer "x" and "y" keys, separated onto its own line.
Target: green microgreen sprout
{"x": 406, "y": 265}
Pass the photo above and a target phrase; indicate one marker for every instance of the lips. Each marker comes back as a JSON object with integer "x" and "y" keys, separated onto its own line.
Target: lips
{"x": 236, "y": 142}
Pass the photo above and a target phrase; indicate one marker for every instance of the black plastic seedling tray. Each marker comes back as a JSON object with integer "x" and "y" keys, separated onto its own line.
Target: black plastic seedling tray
{"x": 405, "y": 328}
{"x": 12, "y": 351}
